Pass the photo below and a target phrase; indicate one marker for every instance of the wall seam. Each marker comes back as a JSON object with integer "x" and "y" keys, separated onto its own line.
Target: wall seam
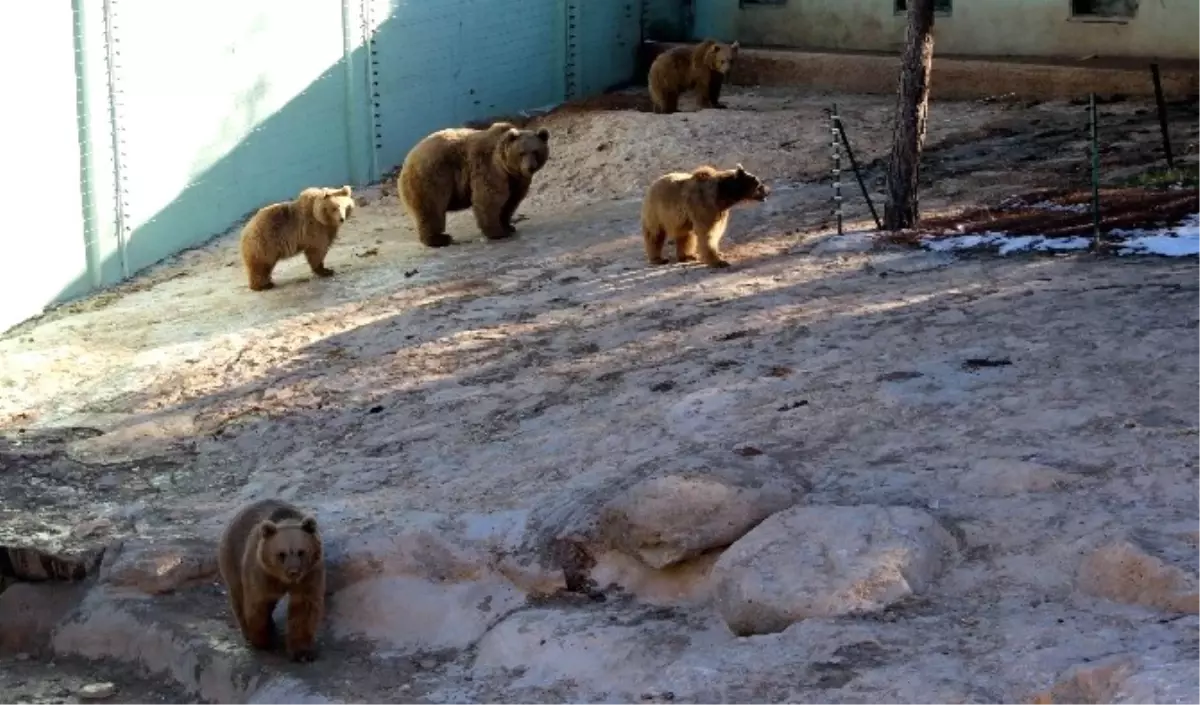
{"x": 112, "y": 61}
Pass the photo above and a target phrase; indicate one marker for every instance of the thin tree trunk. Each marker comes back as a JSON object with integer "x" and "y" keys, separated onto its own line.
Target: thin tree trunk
{"x": 912, "y": 113}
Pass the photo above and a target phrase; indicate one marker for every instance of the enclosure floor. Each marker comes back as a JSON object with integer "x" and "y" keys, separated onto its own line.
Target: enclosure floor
{"x": 487, "y": 379}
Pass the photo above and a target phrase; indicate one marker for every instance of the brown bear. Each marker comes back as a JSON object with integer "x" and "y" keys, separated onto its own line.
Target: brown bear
{"x": 702, "y": 68}
{"x": 691, "y": 206}
{"x": 271, "y": 549}
{"x": 308, "y": 224}
{"x": 488, "y": 171}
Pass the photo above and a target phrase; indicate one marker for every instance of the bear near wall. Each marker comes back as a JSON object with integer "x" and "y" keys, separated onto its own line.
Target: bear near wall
{"x": 701, "y": 68}
{"x": 309, "y": 224}
{"x": 489, "y": 171}
{"x": 270, "y": 549}
{"x": 693, "y": 209}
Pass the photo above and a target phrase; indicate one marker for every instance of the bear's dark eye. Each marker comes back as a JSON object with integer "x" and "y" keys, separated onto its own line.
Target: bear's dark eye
{"x": 282, "y": 556}
{"x": 300, "y": 553}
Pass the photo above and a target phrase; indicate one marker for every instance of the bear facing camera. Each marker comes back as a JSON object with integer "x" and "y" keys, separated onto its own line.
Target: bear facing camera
{"x": 279, "y": 231}
{"x": 701, "y": 68}
{"x": 693, "y": 208}
{"x": 488, "y": 171}
{"x": 271, "y": 549}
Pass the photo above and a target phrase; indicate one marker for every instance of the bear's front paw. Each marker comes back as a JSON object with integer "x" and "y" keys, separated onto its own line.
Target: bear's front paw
{"x": 689, "y": 258}
{"x": 658, "y": 260}
{"x": 719, "y": 264}
{"x": 323, "y": 272}
{"x": 303, "y": 655}
{"x": 719, "y": 105}
{"x": 442, "y": 240}
{"x": 263, "y": 286}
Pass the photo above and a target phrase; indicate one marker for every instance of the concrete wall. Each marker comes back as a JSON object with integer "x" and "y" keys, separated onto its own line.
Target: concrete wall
{"x": 1164, "y": 29}
{"x": 152, "y": 126}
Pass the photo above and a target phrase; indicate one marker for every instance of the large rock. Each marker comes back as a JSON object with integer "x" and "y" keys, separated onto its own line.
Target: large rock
{"x": 647, "y": 519}
{"x": 826, "y": 561}
{"x": 668, "y": 519}
{"x": 158, "y": 567}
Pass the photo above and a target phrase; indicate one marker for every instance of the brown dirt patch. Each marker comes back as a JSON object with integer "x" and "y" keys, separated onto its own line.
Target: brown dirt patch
{"x": 1067, "y": 213}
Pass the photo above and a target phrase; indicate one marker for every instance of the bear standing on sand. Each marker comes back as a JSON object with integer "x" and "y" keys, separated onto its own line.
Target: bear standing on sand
{"x": 271, "y": 549}
{"x": 702, "y": 68}
{"x": 695, "y": 206}
{"x": 488, "y": 171}
{"x": 308, "y": 224}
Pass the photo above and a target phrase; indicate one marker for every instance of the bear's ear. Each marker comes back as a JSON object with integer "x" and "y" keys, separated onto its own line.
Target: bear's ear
{"x": 543, "y": 134}
{"x": 740, "y": 170}
{"x": 512, "y": 134}
{"x": 343, "y": 191}
{"x": 268, "y": 528}
{"x": 309, "y": 524}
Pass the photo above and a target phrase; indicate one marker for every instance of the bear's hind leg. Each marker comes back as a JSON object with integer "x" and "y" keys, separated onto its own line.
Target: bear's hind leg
{"x": 670, "y": 103}
{"x": 654, "y": 237}
{"x": 431, "y": 227}
{"x": 259, "y": 274}
{"x": 685, "y": 246}
{"x": 316, "y": 261}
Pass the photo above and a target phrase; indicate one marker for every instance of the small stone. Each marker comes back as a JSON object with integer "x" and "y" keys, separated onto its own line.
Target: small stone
{"x": 90, "y": 528}
{"x": 97, "y": 691}
{"x": 428, "y": 664}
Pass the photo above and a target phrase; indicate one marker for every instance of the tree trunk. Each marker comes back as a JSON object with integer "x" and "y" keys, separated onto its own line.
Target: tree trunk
{"x": 912, "y": 113}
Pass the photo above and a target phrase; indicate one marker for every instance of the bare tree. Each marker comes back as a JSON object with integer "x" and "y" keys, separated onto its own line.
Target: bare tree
{"x": 912, "y": 113}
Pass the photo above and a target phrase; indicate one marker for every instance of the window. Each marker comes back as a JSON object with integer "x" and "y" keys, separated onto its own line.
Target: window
{"x": 941, "y": 7}
{"x": 1116, "y": 9}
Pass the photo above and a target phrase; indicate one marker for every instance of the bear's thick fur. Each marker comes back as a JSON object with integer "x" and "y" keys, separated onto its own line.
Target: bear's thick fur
{"x": 271, "y": 549}
{"x": 701, "y": 68}
{"x": 308, "y": 224}
{"x": 695, "y": 206}
{"x": 488, "y": 171}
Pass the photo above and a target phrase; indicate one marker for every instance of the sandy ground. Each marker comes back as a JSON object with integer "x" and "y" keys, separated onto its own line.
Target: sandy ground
{"x": 489, "y": 379}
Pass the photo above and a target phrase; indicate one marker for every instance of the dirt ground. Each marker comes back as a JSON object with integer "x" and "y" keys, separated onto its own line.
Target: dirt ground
{"x": 1038, "y": 406}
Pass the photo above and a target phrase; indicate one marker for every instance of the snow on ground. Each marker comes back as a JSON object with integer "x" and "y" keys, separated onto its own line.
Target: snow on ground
{"x": 1182, "y": 240}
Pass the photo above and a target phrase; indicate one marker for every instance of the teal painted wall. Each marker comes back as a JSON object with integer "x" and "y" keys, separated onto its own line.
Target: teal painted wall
{"x": 716, "y": 19}
{"x": 180, "y": 119}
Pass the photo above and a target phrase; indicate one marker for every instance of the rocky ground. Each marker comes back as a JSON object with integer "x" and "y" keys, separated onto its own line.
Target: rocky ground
{"x": 545, "y": 471}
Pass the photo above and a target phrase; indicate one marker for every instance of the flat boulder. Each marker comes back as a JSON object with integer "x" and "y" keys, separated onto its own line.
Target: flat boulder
{"x": 670, "y": 518}
{"x": 824, "y": 561}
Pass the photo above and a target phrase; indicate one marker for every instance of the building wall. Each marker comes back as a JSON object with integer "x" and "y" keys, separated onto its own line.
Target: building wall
{"x": 1164, "y": 29}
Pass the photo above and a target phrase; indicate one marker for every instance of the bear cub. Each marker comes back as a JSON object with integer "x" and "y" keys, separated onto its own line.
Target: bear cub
{"x": 701, "y": 68}
{"x": 279, "y": 231}
{"x": 489, "y": 171}
{"x": 693, "y": 207}
{"x": 270, "y": 549}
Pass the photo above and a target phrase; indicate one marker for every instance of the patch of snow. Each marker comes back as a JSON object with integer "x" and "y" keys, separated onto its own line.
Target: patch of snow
{"x": 1183, "y": 240}
{"x": 1008, "y": 244}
